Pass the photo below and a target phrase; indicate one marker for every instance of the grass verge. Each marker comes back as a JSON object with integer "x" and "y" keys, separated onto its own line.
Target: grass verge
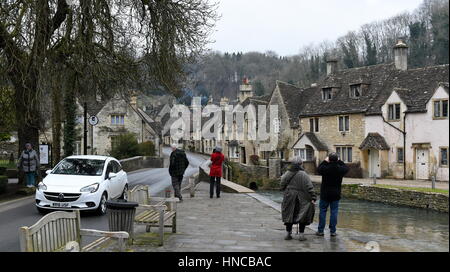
{"x": 418, "y": 189}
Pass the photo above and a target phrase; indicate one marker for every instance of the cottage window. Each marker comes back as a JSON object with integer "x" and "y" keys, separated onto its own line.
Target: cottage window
{"x": 233, "y": 153}
{"x": 394, "y": 112}
{"x": 326, "y": 94}
{"x": 400, "y": 155}
{"x": 440, "y": 109}
{"x": 117, "y": 119}
{"x": 306, "y": 154}
{"x": 444, "y": 156}
{"x": 344, "y": 123}
{"x": 345, "y": 153}
{"x": 314, "y": 124}
{"x": 355, "y": 91}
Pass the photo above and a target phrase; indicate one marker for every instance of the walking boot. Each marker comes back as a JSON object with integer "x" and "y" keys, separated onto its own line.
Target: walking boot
{"x": 302, "y": 237}
{"x": 288, "y": 236}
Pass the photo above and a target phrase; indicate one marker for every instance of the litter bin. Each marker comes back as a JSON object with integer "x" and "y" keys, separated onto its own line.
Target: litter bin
{"x": 121, "y": 215}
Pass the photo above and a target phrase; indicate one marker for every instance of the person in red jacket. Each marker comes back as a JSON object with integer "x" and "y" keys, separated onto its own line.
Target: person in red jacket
{"x": 215, "y": 171}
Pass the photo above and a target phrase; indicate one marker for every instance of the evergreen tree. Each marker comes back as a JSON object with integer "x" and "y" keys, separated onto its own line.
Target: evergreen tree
{"x": 440, "y": 30}
{"x": 259, "y": 88}
{"x": 418, "y": 44}
{"x": 371, "y": 51}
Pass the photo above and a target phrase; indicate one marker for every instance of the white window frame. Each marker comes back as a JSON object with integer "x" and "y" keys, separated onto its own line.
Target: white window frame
{"x": 315, "y": 122}
{"x": 343, "y": 153}
{"x": 403, "y": 155}
{"x": 440, "y": 103}
{"x": 344, "y": 125}
{"x": 117, "y": 119}
{"x": 393, "y": 116}
{"x": 440, "y": 156}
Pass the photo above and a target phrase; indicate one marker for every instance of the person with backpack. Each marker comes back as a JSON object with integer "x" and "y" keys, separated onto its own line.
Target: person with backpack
{"x": 177, "y": 166}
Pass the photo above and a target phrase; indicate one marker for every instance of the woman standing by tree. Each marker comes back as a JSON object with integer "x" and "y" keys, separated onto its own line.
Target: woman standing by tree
{"x": 29, "y": 163}
{"x": 215, "y": 171}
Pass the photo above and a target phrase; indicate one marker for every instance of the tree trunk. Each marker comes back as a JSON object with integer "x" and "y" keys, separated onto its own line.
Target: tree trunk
{"x": 27, "y": 117}
{"x": 56, "y": 123}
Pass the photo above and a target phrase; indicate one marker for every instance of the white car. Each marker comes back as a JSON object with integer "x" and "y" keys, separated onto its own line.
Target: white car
{"x": 83, "y": 183}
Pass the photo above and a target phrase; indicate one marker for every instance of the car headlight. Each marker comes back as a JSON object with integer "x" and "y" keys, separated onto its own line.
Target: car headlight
{"x": 42, "y": 186}
{"x": 91, "y": 188}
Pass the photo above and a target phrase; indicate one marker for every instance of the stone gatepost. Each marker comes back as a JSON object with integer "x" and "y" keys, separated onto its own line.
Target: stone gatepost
{"x": 274, "y": 168}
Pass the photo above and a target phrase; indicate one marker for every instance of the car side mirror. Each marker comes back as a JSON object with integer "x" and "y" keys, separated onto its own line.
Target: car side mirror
{"x": 112, "y": 175}
{"x": 48, "y": 172}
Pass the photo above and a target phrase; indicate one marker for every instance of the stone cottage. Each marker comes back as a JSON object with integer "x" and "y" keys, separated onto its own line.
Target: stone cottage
{"x": 357, "y": 113}
{"x": 116, "y": 116}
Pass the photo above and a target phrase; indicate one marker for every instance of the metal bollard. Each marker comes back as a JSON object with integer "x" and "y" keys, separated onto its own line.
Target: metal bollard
{"x": 192, "y": 186}
{"x": 374, "y": 179}
{"x": 433, "y": 182}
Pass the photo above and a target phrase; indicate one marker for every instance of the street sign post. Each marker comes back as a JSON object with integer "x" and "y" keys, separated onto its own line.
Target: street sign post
{"x": 93, "y": 120}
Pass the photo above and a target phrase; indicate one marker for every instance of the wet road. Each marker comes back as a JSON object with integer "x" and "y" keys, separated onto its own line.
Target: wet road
{"x": 24, "y": 213}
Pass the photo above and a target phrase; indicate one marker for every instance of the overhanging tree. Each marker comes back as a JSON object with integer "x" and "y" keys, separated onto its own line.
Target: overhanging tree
{"x": 102, "y": 42}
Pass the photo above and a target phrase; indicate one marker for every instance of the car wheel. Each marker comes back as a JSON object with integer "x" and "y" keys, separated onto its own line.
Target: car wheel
{"x": 101, "y": 210}
{"x": 42, "y": 211}
{"x": 124, "y": 195}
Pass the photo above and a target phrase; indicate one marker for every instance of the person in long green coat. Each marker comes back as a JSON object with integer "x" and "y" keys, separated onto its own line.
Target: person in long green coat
{"x": 298, "y": 206}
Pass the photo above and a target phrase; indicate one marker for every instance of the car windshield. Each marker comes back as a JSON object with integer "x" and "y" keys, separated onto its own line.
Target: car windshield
{"x": 80, "y": 167}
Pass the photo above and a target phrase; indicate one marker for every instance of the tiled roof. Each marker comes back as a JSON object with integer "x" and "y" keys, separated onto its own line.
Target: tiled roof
{"x": 317, "y": 143}
{"x": 416, "y": 86}
{"x": 373, "y": 78}
{"x": 374, "y": 141}
{"x": 294, "y": 99}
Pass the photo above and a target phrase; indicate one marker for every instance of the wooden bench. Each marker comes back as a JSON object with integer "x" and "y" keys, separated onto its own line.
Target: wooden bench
{"x": 61, "y": 231}
{"x": 161, "y": 214}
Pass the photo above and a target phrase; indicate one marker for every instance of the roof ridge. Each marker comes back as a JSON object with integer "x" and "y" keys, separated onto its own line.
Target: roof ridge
{"x": 285, "y": 83}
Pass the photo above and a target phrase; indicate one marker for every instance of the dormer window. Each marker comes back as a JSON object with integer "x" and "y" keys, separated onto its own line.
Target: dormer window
{"x": 355, "y": 91}
{"x": 394, "y": 111}
{"x": 326, "y": 94}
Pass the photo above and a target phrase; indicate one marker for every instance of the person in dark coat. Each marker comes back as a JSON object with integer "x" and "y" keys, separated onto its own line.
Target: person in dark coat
{"x": 299, "y": 199}
{"x": 29, "y": 163}
{"x": 332, "y": 171}
{"x": 215, "y": 171}
{"x": 178, "y": 165}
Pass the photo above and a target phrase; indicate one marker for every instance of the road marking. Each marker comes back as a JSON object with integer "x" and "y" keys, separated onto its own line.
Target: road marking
{"x": 16, "y": 203}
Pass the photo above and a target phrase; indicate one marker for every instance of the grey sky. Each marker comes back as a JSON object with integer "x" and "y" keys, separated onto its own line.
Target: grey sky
{"x": 285, "y": 26}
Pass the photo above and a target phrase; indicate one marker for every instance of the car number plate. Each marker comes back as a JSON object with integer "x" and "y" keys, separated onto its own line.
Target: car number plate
{"x": 60, "y": 205}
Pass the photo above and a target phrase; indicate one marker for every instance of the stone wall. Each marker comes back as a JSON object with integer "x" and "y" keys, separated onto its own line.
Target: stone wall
{"x": 330, "y": 134}
{"x": 392, "y": 196}
{"x": 136, "y": 163}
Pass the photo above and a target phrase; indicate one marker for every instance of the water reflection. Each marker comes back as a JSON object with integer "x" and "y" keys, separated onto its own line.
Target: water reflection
{"x": 400, "y": 228}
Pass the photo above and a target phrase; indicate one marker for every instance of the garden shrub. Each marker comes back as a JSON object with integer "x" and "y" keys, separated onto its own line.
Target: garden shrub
{"x": 125, "y": 147}
{"x": 147, "y": 149}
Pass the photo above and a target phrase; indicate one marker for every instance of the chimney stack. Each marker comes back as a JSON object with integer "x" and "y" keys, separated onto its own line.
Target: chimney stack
{"x": 332, "y": 66}
{"x": 401, "y": 55}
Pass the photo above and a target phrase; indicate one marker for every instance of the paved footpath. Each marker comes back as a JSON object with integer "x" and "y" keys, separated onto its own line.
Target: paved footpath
{"x": 238, "y": 222}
